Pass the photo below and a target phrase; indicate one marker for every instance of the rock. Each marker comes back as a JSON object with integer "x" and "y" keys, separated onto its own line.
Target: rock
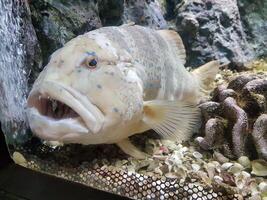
{"x": 195, "y": 167}
{"x": 29, "y": 39}
{"x": 19, "y": 56}
{"x": 220, "y": 157}
{"x": 263, "y": 187}
{"x": 254, "y": 18}
{"x": 58, "y": 21}
{"x": 147, "y": 13}
{"x": 245, "y": 162}
{"x": 197, "y": 155}
{"x": 227, "y": 165}
{"x": 212, "y": 30}
{"x": 218, "y": 179}
{"x": 259, "y": 167}
{"x": 210, "y": 169}
{"x": 236, "y": 168}
{"x": 19, "y": 159}
{"x": 111, "y": 12}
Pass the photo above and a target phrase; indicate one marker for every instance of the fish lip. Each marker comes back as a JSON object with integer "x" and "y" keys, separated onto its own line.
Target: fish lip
{"x": 92, "y": 116}
{"x": 41, "y": 126}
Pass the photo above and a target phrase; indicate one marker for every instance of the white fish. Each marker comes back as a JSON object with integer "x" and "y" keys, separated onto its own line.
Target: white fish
{"x": 114, "y": 82}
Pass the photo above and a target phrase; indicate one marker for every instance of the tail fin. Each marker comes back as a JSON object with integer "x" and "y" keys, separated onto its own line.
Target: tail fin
{"x": 206, "y": 75}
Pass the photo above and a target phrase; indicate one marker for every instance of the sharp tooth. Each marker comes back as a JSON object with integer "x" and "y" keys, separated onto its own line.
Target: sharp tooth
{"x": 39, "y": 97}
{"x": 54, "y": 105}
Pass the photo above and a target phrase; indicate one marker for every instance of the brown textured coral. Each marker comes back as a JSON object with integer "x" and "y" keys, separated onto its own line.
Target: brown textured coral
{"x": 234, "y": 119}
{"x": 259, "y": 135}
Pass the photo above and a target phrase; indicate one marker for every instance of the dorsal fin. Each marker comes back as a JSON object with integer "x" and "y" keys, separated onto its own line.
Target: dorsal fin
{"x": 174, "y": 40}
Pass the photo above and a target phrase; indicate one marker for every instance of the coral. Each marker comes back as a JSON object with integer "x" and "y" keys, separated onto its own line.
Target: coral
{"x": 254, "y": 94}
{"x": 214, "y": 130}
{"x": 234, "y": 118}
{"x": 259, "y": 135}
{"x": 238, "y": 123}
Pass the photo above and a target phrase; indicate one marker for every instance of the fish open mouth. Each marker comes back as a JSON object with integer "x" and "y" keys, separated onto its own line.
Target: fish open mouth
{"x": 56, "y": 108}
{"x": 52, "y": 108}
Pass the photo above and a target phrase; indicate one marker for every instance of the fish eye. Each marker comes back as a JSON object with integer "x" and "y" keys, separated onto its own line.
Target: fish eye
{"x": 89, "y": 60}
{"x": 92, "y": 63}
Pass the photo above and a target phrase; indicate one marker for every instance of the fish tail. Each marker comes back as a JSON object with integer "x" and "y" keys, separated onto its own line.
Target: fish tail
{"x": 205, "y": 75}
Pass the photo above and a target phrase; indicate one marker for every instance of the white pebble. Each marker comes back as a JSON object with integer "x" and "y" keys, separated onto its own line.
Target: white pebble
{"x": 227, "y": 165}
{"x": 195, "y": 167}
{"x": 19, "y": 159}
{"x": 218, "y": 179}
{"x": 197, "y": 155}
{"x": 263, "y": 187}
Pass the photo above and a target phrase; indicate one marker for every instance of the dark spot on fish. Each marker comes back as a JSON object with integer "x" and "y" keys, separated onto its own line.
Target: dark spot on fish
{"x": 107, "y": 44}
{"x": 79, "y": 70}
{"x": 116, "y": 110}
{"x": 112, "y": 73}
{"x": 61, "y": 62}
{"x": 99, "y": 86}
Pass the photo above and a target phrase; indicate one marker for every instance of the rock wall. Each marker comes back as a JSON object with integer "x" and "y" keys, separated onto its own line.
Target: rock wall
{"x": 58, "y": 21}
{"x": 209, "y": 29}
{"x": 254, "y": 18}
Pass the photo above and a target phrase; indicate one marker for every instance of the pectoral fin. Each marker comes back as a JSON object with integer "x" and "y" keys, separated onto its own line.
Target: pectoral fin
{"x": 128, "y": 148}
{"x": 172, "y": 119}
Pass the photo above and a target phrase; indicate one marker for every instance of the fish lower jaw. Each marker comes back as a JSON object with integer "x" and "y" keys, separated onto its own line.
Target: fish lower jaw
{"x": 51, "y": 129}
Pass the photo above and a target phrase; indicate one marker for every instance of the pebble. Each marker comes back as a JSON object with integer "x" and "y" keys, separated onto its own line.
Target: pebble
{"x": 217, "y": 166}
{"x": 245, "y": 174}
{"x": 220, "y": 157}
{"x": 255, "y": 197}
{"x": 19, "y": 159}
{"x": 197, "y": 155}
{"x": 236, "y": 168}
{"x": 210, "y": 168}
{"x": 259, "y": 167}
{"x": 227, "y": 165}
{"x": 263, "y": 187}
{"x": 245, "y": 162}
{"x": 218, "y": 179}
{"x": 195, "y": 167}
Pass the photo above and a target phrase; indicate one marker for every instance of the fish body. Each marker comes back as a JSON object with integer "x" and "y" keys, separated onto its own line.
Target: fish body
{"x": 114, "y": 82}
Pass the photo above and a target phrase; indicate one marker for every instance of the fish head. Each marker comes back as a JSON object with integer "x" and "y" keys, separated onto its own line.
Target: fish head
{"x": 85, "y": 91}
